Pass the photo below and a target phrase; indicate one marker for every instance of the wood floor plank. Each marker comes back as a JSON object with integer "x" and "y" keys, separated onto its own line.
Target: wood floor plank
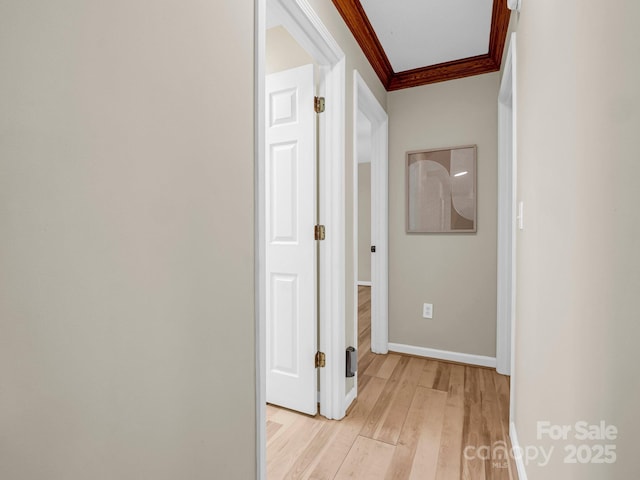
{"x": 271, "y": 411}
{"x": 286, "y": 418}
{"x": 379, "y": 412}
{"x": 364, "y": 310}
{"x": 425, "y": 462}
{"x": 363, "y": 380}
{"x": 364, "y": 328}
{"x": 281, "y": 415}
{"x": 456, "y": 385}
{"x": 347, "y": 431}
{"x": 364, "y": 345}
{"x": 364, "y": 295}
{"x": 451, "y": 444}
{"x": 389, "y": 430}
{"x": 498, "y": 467}
{"x": 416, "y": 453}
{"x": 374, "y": 367}
{"x": 310, "y": 456}
{"x": 364, "y": 332}
{"x": 388, "y": 366}
{"x": 272, "y": 428}
{"x": 368, "y": 459}
{"x": 428, "y": 375}
{"x": 365, "y": 355}
{"x": 474, "y": 434}
{"x": 443, "y": 372}
{"x": 501, "y": 384}
{"x": 284, "y": 450}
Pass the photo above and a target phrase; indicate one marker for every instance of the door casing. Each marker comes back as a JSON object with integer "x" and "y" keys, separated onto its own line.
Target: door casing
{"x": 507, "y": 175}
{"x": 365, "y": 102}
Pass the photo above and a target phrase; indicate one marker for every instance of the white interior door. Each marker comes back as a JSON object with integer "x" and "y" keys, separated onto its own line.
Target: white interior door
{"x": 290, "y": 252}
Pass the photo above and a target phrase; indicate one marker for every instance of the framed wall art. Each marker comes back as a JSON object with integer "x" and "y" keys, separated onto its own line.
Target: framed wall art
{"x": 441, "y": 190}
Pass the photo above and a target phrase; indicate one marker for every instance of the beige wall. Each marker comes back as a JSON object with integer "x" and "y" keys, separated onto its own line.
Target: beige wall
{"x": 127, "y": 281}
{"x": 578, "y": 259}
{"x": 455, "y": 272}
{"x": 282, "y": 52}
{"x": 364, "y": 222}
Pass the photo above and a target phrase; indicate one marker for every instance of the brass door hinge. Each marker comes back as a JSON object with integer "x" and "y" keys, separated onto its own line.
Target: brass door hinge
{"x": 318, "y": 232}
{"x": 318, "y": 104}
{"x": 320, "y": 359}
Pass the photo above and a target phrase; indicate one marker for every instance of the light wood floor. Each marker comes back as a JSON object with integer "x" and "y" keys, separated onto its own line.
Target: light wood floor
{"x": 412, "y": 419}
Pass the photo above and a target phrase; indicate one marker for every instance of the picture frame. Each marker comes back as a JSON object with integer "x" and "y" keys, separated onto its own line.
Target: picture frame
{"x": 441, "y": 190}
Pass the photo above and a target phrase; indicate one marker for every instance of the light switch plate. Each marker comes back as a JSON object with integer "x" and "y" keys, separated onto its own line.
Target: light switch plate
{"x": 427, "y": 310}
{"x": 520, "y": 216}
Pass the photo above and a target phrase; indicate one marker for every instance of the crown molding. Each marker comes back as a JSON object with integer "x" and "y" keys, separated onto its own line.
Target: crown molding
{"x": 356, "y": 19}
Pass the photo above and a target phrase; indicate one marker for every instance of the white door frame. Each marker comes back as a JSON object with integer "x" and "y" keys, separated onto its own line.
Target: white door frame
{"x": 365, "y": 102}
{"x": 305, "y": 26}
{"x": 507, "y": 175}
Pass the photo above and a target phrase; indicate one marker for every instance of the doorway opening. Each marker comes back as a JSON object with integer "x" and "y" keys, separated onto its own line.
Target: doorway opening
{"x": 370, "y": 247}
{"x": 300, "y": 22}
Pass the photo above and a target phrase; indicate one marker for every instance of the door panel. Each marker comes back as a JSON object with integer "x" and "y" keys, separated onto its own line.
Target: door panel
{"x": 290, "y": 251}
{"x": 284, "y": 346}
{"x": 283, "y": 178}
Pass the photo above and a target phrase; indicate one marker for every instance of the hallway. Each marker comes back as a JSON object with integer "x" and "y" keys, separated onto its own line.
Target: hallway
{"x": 414, "y": 418}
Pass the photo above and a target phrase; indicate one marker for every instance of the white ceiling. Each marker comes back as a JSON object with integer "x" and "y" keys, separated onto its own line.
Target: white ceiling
{"x": 419, "y": 33}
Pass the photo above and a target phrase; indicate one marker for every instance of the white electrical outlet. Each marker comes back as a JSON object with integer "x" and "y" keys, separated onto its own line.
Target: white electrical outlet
{"x": 520, "y": 216}
{"x": 427, "y": 310}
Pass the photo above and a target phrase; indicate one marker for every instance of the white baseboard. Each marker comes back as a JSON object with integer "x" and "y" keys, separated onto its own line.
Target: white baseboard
{"x": 467, "y": 358}
{"x": 349, "y": 398}
{"x": 515, "y": 446}
{"x": 362, "y": 283}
